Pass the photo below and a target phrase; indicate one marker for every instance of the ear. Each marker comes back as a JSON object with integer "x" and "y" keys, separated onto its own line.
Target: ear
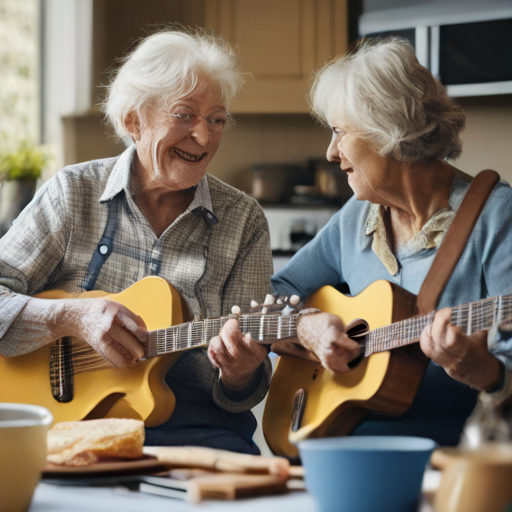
{"x": 132, "y": 125}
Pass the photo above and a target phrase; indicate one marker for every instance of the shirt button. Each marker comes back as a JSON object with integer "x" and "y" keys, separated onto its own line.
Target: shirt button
{"x": 103, "y": 249}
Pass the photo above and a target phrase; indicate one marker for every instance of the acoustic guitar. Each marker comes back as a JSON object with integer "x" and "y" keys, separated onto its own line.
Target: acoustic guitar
{"x": 306, "y": 400}
{"x": 75, "y": 382}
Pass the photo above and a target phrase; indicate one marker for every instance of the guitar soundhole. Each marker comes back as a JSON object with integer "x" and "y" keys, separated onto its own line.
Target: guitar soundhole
{"x": 356, "y": 361}
{"x": 61, "y": 370}
{"x": 315, "y": 374}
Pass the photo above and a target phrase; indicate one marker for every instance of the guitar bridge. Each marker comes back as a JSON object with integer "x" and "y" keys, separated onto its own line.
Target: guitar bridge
{"x": 299, "y": 402}
{"x": 61, "y": 370}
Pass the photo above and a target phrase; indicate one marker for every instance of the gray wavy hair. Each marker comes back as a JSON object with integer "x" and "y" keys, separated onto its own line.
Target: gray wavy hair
{"x": 383, "y": 92}
{"x": 168, "y": 66}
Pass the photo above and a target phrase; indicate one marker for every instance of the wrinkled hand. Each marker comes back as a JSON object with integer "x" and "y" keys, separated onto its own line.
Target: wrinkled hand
{"x": 324, "y": 334}
{"x": 110, "y": 328}
{"x": 237, "y": 356}
{"x": 465, "y": 358}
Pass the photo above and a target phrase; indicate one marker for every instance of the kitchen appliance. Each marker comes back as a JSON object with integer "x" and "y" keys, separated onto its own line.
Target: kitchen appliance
{"x": 269, "y": 182}
{"x": 466, "y": 45}
{"x": 292, "y": 227}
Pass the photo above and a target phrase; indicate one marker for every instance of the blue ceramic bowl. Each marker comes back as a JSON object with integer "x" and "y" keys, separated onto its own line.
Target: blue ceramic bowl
{"x": 367, "y": 473}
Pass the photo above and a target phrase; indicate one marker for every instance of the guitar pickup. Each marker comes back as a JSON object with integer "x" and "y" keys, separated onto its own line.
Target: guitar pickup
{"x": 61, "y": 370}
{"x": 298, "y": 405}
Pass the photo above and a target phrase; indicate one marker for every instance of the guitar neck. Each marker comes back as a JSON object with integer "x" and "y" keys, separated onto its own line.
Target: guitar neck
{"x": 471, "y": 318}
{"x": 264, "y": 329}
{"x": 268, "y": 328}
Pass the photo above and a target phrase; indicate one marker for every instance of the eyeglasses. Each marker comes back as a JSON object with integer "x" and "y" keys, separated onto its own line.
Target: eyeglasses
{"x": 216, "y": 122}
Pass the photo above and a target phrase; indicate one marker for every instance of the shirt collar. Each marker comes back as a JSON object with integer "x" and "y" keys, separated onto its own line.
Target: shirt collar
{"x": 429, "y": 237}
{"x": 119, "y": 180}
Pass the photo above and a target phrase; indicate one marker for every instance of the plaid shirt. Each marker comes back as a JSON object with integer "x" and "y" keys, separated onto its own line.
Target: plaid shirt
{"x": 216, "y": 254}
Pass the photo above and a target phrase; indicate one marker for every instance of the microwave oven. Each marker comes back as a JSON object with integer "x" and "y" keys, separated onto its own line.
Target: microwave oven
{"x": 466, "y": 45}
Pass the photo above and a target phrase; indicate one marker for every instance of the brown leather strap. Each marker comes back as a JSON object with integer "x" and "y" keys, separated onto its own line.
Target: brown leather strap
{"x": 455, "y": 240}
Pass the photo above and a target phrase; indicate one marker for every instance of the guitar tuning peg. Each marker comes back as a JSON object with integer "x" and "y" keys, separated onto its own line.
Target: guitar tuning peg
{"x": 269, "y": 299}
{"x": 254, "y": 304}
{"x": 279, "y": 301}
{"x": 294, "y": 300}
{"x": 264, "y": 311}
{"x": 285, "y": 299}
{"x": 287, "y": 310}
{"x": 235, "y": 310}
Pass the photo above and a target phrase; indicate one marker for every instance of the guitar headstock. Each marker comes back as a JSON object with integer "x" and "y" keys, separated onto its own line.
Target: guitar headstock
{"x": 272, "y": 305}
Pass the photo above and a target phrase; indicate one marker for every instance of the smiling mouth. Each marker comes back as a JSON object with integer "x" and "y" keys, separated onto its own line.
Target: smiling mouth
{"x": 188, "y": 156}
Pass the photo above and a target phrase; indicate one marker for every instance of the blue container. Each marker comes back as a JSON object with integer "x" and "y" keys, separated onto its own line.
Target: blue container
{"x": 367, "y": 473}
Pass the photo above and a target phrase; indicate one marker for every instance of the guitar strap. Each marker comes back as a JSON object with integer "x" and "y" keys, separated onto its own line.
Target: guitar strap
{"x": 105, "y": 245}
{"x": 455, "y": 240}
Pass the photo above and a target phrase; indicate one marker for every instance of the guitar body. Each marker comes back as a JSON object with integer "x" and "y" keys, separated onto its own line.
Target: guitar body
{"x": 139, "y": 392}
{"x": 334, "y": 403}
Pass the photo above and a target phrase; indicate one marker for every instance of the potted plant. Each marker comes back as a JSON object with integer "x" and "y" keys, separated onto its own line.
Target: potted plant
{"x": 19, "y": 170}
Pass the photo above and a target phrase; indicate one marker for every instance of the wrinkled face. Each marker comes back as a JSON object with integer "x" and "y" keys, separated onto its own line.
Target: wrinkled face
{"x": 176, "y": 145}
{"x": 367, "y": 171}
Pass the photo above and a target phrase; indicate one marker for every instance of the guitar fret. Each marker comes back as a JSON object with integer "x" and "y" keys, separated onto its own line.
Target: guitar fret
{"x": 470, "y": 318}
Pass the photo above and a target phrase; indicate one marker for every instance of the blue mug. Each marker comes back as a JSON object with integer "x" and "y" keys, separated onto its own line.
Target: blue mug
{"x": 366, "y": 473}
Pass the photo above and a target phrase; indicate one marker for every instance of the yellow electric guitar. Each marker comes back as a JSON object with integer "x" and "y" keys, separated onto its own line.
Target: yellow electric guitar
{"x": 74, "y": 382}
{"x": 305, "y": 400}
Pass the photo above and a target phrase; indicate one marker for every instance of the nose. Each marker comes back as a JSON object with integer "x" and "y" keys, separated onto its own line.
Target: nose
{"x": 333, "y": 151}
{"x": 200, "y": 132}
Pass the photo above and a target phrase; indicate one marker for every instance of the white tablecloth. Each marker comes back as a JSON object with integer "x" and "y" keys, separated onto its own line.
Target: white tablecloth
{"x": 59, "y": 498}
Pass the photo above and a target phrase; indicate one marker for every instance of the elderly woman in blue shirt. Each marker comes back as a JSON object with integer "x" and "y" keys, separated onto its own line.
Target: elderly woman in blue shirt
{"x": 393, "y": 130}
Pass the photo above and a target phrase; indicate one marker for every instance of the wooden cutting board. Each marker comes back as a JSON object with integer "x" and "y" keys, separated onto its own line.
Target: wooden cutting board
{"x": 146, "y": 465}
{"x": 197, "y": 485}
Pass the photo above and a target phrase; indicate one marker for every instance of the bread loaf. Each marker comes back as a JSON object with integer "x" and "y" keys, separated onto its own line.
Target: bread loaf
{"x": 80, "y": 443}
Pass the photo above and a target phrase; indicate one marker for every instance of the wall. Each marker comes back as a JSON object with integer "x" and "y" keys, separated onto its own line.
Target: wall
{"x": 255, "y": 139}
{"x": 488, "y": 135}
{"x": 290, "y": 138}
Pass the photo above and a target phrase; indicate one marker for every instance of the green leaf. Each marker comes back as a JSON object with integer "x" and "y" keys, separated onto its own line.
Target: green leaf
{"x": 26, "y": 162}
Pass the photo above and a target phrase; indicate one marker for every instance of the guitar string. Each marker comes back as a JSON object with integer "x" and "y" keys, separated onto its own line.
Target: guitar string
{"x": 470, "y": 317}
{"x": 193, "y": 334}
{"x": 190, "y": 335}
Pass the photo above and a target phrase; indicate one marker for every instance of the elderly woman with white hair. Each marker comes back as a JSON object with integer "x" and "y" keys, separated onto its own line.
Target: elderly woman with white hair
{"x": 393, "y": 128}
{"x": 152, "y": 211}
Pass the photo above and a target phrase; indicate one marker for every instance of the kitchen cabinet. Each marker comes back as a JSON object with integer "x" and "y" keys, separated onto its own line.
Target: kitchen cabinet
{"x": 280, "y": 42}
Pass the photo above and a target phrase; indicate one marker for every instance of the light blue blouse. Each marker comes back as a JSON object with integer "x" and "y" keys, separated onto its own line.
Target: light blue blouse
{"x": 341, "y": 253}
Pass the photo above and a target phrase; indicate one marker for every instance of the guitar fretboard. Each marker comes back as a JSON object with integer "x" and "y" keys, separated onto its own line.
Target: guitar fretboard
{"x": 263, "y": 328}
{"x": 268, "y": 328}
{"x": 471, "y": 317}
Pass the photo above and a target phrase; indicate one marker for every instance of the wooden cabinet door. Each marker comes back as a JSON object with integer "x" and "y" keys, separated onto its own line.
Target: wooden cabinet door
{"x": 280, "y": 42}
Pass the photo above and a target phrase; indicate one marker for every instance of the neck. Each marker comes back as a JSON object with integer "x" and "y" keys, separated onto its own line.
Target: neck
{"x": 264, "y": 329}
{"x": 159, "y": 203}
{"x": 470, "y": 318}
{"x": 267, "y": 329}
{"x": 421, "y": 190}
{"x": 413, "y": 196}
